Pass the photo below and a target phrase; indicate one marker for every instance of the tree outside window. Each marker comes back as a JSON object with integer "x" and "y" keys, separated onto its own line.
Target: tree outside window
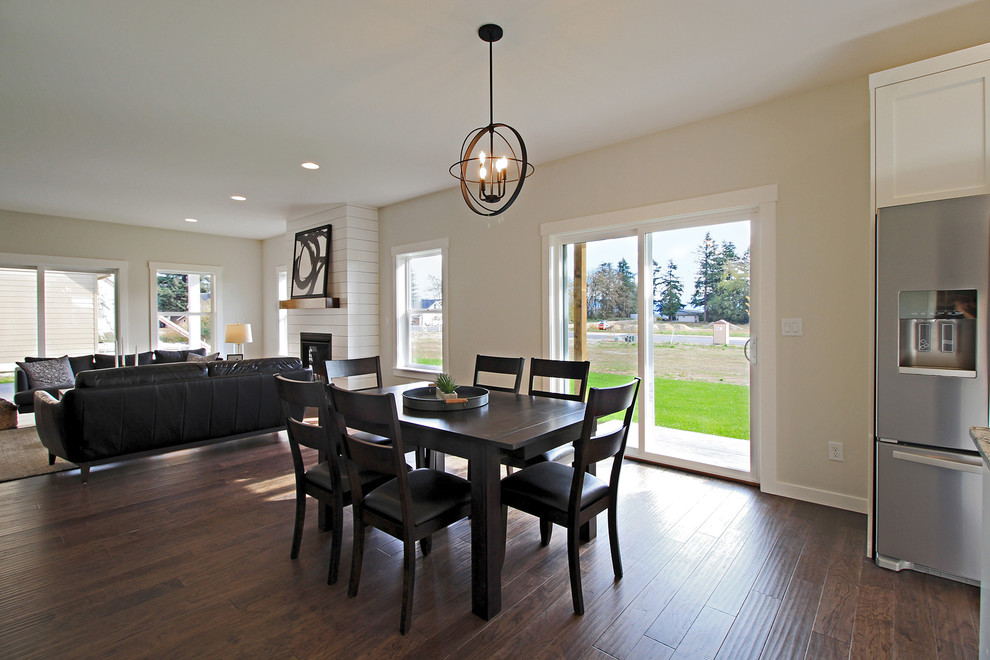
{"x": 186, "y": 310}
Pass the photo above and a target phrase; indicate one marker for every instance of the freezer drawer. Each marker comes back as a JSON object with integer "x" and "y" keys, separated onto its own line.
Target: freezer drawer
{"x": 929, "y": 510}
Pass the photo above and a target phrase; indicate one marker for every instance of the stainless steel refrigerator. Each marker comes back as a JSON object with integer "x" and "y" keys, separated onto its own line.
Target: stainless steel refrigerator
{"x": 933, "y": 267}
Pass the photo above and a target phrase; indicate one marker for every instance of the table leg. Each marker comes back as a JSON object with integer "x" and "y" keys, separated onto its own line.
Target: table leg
{"x": 486, "y": 533}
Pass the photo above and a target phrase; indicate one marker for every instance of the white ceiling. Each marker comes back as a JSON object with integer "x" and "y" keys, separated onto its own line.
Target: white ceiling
{"x": 146, "y": 112}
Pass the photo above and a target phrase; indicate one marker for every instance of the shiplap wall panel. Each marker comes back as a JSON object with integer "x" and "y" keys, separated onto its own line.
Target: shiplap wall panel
{"x": 354, "y": 278}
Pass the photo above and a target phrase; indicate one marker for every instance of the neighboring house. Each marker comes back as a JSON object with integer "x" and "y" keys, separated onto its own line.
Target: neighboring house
{"x": 428, "y": 319}
{"x": 690, "y": 315}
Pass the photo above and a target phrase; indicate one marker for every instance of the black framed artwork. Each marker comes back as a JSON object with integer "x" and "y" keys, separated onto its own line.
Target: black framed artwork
{"x": 311, "y": 263}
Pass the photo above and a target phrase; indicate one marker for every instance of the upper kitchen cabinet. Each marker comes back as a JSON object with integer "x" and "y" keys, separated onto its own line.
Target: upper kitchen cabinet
{"x": 931, "y": 128}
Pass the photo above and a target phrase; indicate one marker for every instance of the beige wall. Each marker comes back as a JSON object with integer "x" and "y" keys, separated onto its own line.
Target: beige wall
{"x": 241, "y": 284}
{"x": 814, "y": 146}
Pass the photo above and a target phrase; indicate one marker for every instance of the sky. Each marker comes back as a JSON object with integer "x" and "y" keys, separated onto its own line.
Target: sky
{"x": 680, "y": 245}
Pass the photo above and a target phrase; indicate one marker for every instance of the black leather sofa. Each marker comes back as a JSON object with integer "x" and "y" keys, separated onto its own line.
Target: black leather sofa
{"x": 24, "y": 393}
{"x": 111, "y": 413}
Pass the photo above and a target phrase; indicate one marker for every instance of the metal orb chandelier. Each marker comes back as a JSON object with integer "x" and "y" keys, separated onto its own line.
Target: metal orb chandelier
{"x": 493, "y": 164}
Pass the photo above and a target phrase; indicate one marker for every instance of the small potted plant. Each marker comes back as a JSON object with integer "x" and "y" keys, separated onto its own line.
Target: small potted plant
{"x": 446, "y": 387}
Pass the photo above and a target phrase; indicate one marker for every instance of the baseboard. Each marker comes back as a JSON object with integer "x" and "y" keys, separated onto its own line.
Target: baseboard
{"x": 816, "y": 496}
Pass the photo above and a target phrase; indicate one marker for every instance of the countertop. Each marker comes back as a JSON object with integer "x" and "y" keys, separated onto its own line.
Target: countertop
{"x": 981, "y": 437}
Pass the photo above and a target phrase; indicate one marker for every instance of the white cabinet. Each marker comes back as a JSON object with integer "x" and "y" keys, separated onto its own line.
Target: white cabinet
{"x": 931, "y": 128}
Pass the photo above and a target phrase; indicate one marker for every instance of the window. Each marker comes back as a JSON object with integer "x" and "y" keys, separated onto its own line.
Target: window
{"x": 420, "y": 276}
{"x": 185, "y": 309}
{"x": 57, "y": 306}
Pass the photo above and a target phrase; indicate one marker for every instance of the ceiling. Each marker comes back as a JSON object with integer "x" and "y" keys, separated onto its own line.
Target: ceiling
{"x": 147, "y": 112}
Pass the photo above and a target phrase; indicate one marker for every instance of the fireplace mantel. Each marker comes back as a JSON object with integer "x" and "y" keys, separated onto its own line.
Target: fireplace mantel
{"x": 309, "y": 303}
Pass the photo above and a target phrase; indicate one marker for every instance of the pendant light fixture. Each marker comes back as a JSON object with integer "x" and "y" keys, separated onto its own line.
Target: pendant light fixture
{"x": 493, "y": 165}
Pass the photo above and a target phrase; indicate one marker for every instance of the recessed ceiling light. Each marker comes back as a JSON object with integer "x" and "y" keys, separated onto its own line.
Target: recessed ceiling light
{"x": 309, "y": 165}
{"x": 238, "y": 198}
{"x": 191, "y": 220}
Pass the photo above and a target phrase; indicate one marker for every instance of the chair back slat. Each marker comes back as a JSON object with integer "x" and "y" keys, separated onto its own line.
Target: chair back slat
{"x": 297, "y": 395}
{"x": 373, "y": 414}
{"x": 575, "y": 371}
{"x": 353, "y": 367}
{"x": 491, "y": 364}
{"x": 601, "y": 440}
{"x": 308, "y": 435}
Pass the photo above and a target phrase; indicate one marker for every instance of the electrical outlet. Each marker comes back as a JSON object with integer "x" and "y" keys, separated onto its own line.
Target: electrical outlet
{"x": 835, "y": 451}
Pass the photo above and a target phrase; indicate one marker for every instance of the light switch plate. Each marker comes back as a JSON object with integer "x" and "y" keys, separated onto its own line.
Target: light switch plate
{"x": 791, "y": 328}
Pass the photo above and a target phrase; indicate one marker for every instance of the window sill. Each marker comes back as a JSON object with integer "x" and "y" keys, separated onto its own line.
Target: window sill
{"x": 415, "y": 374}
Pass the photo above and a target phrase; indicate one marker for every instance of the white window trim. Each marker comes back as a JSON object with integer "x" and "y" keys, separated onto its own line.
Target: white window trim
{"x": 43, "y": 263}
{"x": 216, "y": 271}
{"x": 401, "y": 253}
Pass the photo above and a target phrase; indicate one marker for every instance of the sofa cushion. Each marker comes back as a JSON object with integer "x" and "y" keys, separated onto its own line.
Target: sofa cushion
{"x": 176, "y": 356}
{"x": 150, "y": 374}
{"x": 48, "y": 372}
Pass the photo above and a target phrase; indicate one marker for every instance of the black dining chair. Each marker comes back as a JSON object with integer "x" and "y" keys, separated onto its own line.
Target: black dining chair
{"x": 354, "y": 367}
{"x": 570, "y": 496}
{"x": 508, "y": 366}
{"x": 411, "y": 506}
{"x": 577, "y": 374}
{"x": 323, "y": 481}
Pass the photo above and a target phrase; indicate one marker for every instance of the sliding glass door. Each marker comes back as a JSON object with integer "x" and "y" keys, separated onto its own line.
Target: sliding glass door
{"x": 668, "y": 302}
{"x": 50, "y": 312}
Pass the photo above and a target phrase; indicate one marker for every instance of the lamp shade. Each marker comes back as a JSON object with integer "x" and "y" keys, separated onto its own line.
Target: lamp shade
{"x": 238, "y": 333}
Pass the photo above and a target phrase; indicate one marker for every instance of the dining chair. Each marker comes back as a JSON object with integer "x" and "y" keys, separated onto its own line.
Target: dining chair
{"x": 576, "y": 373}
{"x": 569, "y": 495}
{"x": 354, "y": 367}
{"x": 411, "y": 505}
{"x": 489, "y": 364}
{"x": 323, "y": 480}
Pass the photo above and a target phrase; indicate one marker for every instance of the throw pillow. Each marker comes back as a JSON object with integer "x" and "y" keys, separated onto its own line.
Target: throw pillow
{"x": 192, "y": 357}
{"x": 54, "y": 372}
{"x": 162, "y": 357}
{"x": 104, "y": 361}
{"x": 176, "y": 356}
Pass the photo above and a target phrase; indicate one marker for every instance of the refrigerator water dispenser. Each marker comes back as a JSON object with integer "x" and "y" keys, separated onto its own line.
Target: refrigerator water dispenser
{"x": 937, "y": 332}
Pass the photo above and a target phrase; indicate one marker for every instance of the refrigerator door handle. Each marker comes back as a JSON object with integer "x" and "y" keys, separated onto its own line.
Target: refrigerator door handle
{"x": 936, "y": 461}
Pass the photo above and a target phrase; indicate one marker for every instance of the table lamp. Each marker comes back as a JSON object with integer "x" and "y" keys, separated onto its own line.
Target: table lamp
{"x": 238, "y": 334}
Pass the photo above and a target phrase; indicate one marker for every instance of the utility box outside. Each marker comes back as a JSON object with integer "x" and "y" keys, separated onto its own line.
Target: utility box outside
{"x": 720, "y": 332}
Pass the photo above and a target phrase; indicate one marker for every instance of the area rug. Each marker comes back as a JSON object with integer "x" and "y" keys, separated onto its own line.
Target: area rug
{"x": 23, "y": 455}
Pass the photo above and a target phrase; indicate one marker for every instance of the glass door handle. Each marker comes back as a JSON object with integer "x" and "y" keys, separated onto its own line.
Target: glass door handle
{"x": 750, "y": 358}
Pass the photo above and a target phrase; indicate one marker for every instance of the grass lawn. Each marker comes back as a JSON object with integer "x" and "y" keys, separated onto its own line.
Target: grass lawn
{"x": 713, "y": 408}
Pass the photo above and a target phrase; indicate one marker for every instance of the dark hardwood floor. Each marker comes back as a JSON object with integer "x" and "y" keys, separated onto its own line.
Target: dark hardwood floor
{"x": 187, "y": 555}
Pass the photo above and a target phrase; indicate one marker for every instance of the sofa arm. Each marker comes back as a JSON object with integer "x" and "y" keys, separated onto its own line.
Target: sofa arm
{"x": 20, "y": 380}
{"x": 49, "y": 418}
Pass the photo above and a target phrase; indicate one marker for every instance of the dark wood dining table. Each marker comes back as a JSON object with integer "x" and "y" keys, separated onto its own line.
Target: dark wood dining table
{"x": 508, "y": 423}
